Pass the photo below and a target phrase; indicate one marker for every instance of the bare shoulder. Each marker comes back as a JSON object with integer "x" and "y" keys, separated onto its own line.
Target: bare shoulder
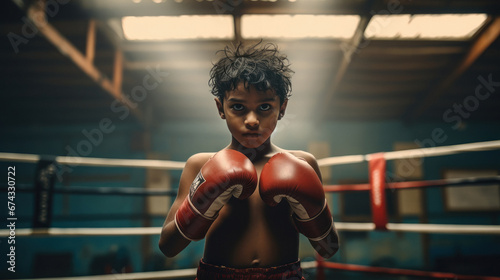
{"x": 192, "y": 167}
{"x": 198, "y": 160}
{"x": 309, "y": 158}
{"x": 305, "y": 155}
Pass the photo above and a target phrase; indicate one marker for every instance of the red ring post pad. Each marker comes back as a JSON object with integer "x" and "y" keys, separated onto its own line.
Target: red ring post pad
{"x": 377, "y": 191}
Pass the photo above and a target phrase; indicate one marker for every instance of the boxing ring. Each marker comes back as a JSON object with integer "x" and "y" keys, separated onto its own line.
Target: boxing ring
{"x": 376, "y": 187}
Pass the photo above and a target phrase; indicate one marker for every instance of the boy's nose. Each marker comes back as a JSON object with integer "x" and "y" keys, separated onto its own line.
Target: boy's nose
{"x": 251, "y": 120}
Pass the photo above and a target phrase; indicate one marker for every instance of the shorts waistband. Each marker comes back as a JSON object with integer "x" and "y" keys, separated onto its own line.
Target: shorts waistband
{"x": 288, "y": 271}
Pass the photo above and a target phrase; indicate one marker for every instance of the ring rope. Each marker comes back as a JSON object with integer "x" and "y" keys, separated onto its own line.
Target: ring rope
{"x": 414, "y": 153}
{"x": 191, "y": 272}
{"x": 406, "y": 272}
{"x": 165, "y": 164}
{"x": 100, "y": 190}
{"x": 166, "y": 274}
{"x": 328, "y": 188}
{"x": 340, "y": 226}
{"x": 417, "y": 184}
{"x": 52, "y": 232}
{"x": 103, "y": 162}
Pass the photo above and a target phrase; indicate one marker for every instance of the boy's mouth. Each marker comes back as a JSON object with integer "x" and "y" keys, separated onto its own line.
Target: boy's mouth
{"x": 251, "y": 135}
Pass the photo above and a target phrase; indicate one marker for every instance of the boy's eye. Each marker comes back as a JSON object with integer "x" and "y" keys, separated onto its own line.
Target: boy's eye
{"x": 237, "y": 107}
{"x": 264, "y": 107}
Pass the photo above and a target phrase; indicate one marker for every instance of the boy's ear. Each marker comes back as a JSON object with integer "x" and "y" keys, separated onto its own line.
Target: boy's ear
{"x": 220, "y": 108}
{"x": 283, "y": 109}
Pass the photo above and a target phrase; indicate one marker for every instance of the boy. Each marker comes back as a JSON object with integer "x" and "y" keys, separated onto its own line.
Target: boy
{"x": 253, "y": 235}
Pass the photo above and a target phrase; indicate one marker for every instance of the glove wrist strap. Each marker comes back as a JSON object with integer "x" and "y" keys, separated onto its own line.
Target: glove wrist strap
{"x": 190, "y": 223}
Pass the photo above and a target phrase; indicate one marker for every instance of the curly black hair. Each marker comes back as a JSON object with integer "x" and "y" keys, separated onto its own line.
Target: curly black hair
{"x": 260, "y": 65}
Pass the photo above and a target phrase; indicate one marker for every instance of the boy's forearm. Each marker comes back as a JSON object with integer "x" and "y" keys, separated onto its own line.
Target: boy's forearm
{"x": 328, "y": 246}
{"x": 171, "y": 240}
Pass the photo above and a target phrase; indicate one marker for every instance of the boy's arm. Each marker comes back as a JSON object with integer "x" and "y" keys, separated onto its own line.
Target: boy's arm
{"x": 328, "y": 246}
{"x": 171, "y": 240}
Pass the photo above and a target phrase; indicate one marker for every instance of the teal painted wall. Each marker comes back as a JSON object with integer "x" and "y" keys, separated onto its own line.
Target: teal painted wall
{"x": 75, "y": 211}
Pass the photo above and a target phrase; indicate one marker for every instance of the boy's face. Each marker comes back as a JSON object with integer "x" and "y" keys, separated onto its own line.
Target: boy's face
{"x": 251, "y": 115}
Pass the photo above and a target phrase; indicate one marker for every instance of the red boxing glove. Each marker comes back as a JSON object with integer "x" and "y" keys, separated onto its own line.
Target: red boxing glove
{"x": 285, "y": 175}
{"x": 228, "y": 173}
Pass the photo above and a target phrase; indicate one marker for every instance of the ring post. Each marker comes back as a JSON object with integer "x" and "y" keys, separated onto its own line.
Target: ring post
{"x": 44, "y": 192}
{"x": 377, "y": 167}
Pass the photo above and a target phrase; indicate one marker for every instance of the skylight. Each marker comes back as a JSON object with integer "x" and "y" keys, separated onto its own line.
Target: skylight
{"x": 444, "y": 26}
{"x": 178, "y": 27}
{"x": 298, "y": 26}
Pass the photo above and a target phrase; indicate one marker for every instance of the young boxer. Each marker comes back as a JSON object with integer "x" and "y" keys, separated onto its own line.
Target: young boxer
{"x": 250, "y": 200}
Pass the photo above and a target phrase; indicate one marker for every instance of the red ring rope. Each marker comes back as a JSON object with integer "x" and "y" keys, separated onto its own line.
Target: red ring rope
{"x": 415, "y": 184}
{"x": 408, "y": 272}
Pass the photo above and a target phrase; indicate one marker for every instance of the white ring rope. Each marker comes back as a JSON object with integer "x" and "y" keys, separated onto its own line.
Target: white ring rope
{"x": 84, "y": 231}
{"x": 165, "y": 164}
{"x": 442, "y": 151}
{"x": 340, "y": 226}
{"x": 415, "y": 153}
{"x": 166, "y": 274}
{"x": 422, "y": 228}
{"x": 85, "y": 161}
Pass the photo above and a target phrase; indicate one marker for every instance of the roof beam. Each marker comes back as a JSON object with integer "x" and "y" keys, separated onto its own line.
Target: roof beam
{"x": 116, "y": 9}
{"x": 118, "y": 72}
{"x": 113, "y": 9}
{"x": 483, "y": 41}
{"x": 349, "y": 50}
{"x": 90, "y": 50}
{"x": 237, "y": 28}
{"x": 36, "y": 13}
